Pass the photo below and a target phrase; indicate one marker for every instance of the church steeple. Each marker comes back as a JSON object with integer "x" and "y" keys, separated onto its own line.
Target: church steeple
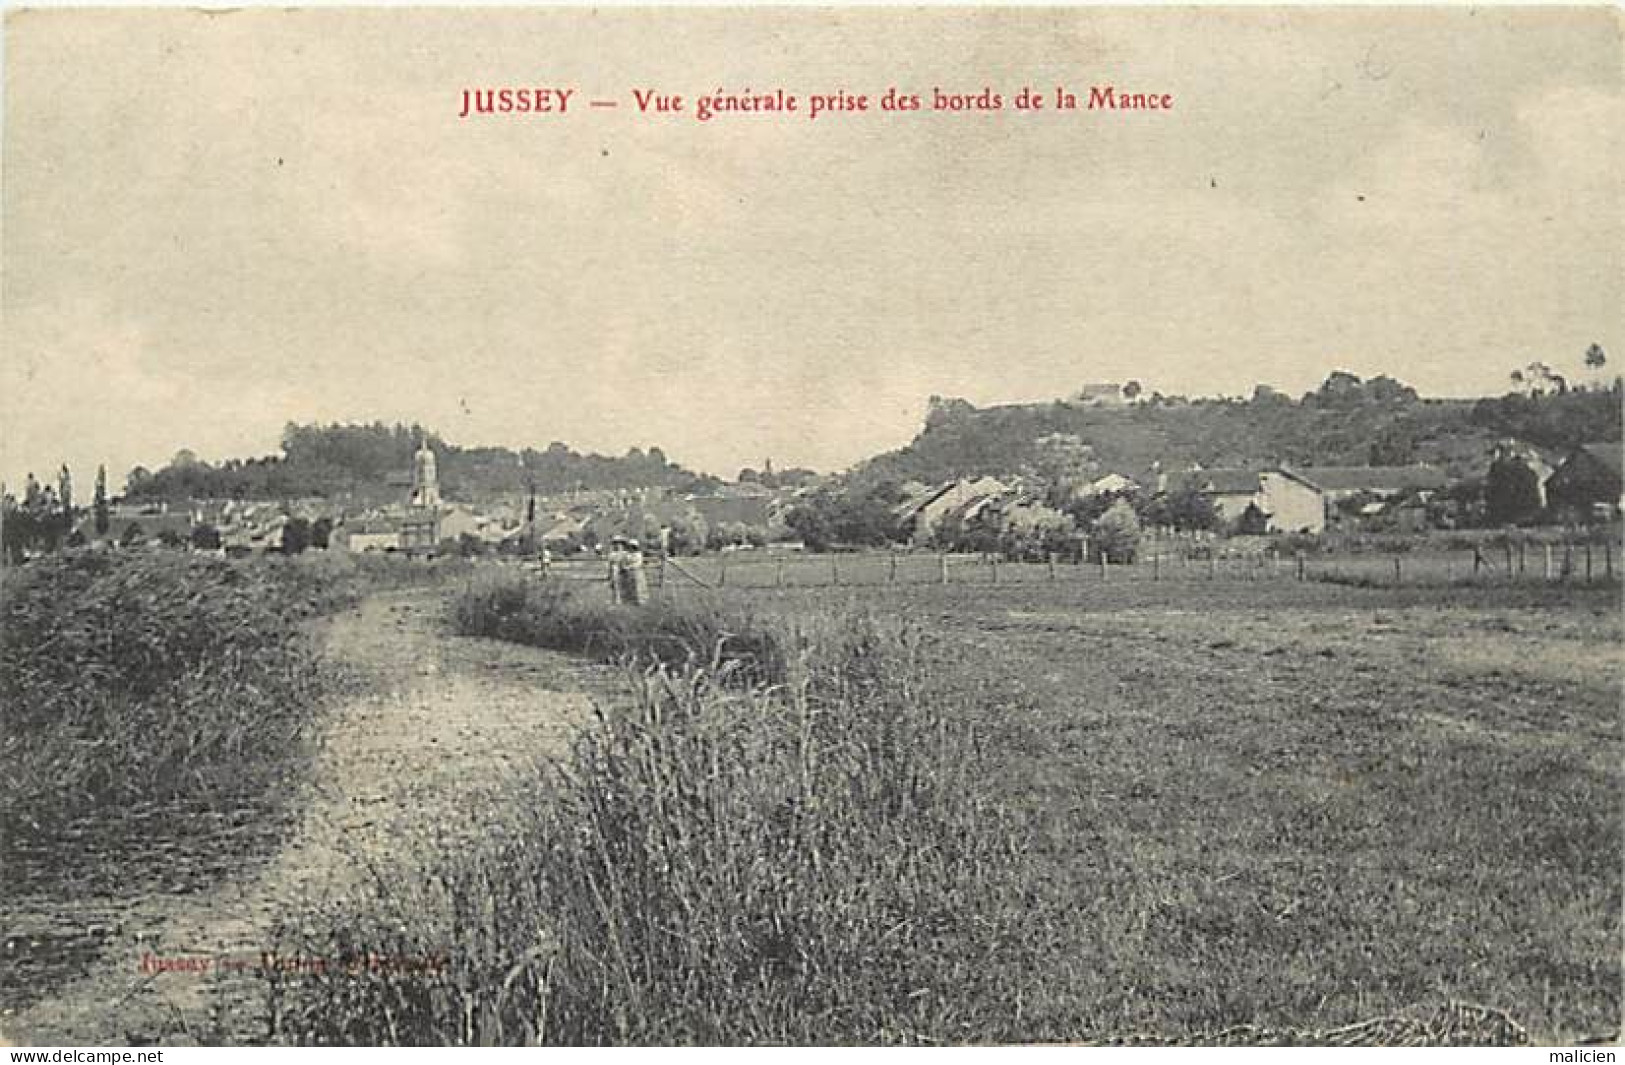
{"x": 425, "y": 480}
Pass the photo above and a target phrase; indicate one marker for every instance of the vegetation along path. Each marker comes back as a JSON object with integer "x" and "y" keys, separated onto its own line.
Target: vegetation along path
{"x": 410, "y": 757}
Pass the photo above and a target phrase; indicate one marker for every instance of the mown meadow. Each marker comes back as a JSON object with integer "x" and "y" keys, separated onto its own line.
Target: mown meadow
{"x": 1221, "y": 811}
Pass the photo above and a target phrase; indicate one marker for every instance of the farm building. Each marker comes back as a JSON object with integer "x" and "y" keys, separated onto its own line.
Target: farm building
{"x": 1028, "y": 515}
{"x": 459, "y": 520}
{"x": 375, "y": 534}
{"x": 736, "y": 509}
{"x": 1110, "y": 484}
{"x": 918, "y": 518}
{"x": 565, "y": 529}
{"x": 1589, "y": 480}
{"x": 1102, "y": 394}
{"x": 1290, "y": 501}
{"x": 1338, "y": 483}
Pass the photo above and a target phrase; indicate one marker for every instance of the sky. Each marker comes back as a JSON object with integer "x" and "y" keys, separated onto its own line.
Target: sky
{"x": 214, "y": 224}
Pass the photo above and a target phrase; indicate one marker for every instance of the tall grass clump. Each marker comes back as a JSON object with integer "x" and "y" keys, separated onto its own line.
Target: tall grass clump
{"x": 507, "y": 606}
{"x": 136, "y": 678}
{"x": 819, "y": 860}
{"x": 333, "y": 578}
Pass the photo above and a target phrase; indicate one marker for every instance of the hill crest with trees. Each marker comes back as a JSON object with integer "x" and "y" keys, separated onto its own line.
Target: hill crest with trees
{"x": 1345, "y": 422}
{"x": 368, "y": 464}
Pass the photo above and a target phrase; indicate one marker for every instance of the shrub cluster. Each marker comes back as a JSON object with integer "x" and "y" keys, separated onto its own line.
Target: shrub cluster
{"x": 507, "y": 606}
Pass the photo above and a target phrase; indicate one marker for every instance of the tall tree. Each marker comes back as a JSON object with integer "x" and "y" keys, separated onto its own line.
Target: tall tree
{"x": 1539, "y": 379}
{"x": 1595, "y": 360}
{"x": 99, "y": 503}
{"x": 295, "y": 536}
{"x": 64, "y": 491}
{"x": 1511, "y": 492}
{"x": 1063, "y": 463}
{"x": 1116, "y": 535}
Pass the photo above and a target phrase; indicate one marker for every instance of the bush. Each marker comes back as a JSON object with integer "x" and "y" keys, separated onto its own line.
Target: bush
{"x": 509, "y": 606}
{"x": 1117, "y": 533}
{"x": 819, "y": 860}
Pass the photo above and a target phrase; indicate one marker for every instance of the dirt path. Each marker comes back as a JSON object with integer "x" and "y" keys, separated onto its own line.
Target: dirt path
{"x": 439, "y": 721}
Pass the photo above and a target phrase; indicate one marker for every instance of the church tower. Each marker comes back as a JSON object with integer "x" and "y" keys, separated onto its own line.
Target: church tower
{"x": 425, "y": 480}
{"x": 420, "y": 528}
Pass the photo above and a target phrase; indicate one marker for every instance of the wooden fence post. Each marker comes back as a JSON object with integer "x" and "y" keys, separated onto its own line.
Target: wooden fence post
{"x": 993, "y": 561}
{"x": 1588, "y": 561}
{"x": 722, "y": 573}
{"x": 1156, "y": 567}
{"x": 1608, "y": 559}
{"x": 1300, "y": 565}
{"x": 1507, "y": 545}
{"x": 1105, "y": 562}
{"x": 1397, "y": 577}
{"x": 778, "y": 573}
{"x": 1050, "y": 559}
{"x": 1548, "y": 548}
{"x": 942, "y": 566}
{"x": 835, "y": 569}
{"x": 891, "y": 570}
{"x": 1522, "y": 567}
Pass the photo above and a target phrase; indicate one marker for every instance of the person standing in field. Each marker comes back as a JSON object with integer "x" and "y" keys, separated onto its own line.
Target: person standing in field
{"x": 634, "y": 582}
{"x": 617, "y": 562}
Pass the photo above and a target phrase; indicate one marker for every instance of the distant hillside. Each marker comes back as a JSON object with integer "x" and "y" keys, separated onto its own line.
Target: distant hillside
{"x": 369, "y": 463}
{"x": 1346, "y": 423}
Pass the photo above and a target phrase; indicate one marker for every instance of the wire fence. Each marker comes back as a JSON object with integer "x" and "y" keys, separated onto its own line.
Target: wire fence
{"x": 1579, "y": 563}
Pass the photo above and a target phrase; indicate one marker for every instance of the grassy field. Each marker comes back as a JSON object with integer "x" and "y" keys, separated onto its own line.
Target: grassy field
{"x": 1302, "y": 810}
{"x": 1291, "y": 806}
{"x": 1425, "y": 565}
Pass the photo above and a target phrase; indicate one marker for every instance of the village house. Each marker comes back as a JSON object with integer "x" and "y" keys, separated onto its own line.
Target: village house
{"x": 1109, "y": 484}
{"x": 460, "y": 520}
{"x": 1102, "y": 394}
{"x": 1338, "y": 483}
{"x": 1588, "y": 481}
{"x": 127, "y": 523}
{"x": 562, "y": 531}
{"x": 1028, "y": 516}
{"x": 738, "y": 509}
{"x": 919, "y": 518}
{"x": 1289, "y": 501}
{"x": 367, "y": 534}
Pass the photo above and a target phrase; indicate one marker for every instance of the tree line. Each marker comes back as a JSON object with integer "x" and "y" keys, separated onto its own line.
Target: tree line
{"x": 366, "y": 464}
{"x": 1346, "y": 421}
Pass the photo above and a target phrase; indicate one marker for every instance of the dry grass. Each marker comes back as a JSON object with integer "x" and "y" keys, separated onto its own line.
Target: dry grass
{"x": 155, "y": 679}
{"x": 141, "y": 678}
